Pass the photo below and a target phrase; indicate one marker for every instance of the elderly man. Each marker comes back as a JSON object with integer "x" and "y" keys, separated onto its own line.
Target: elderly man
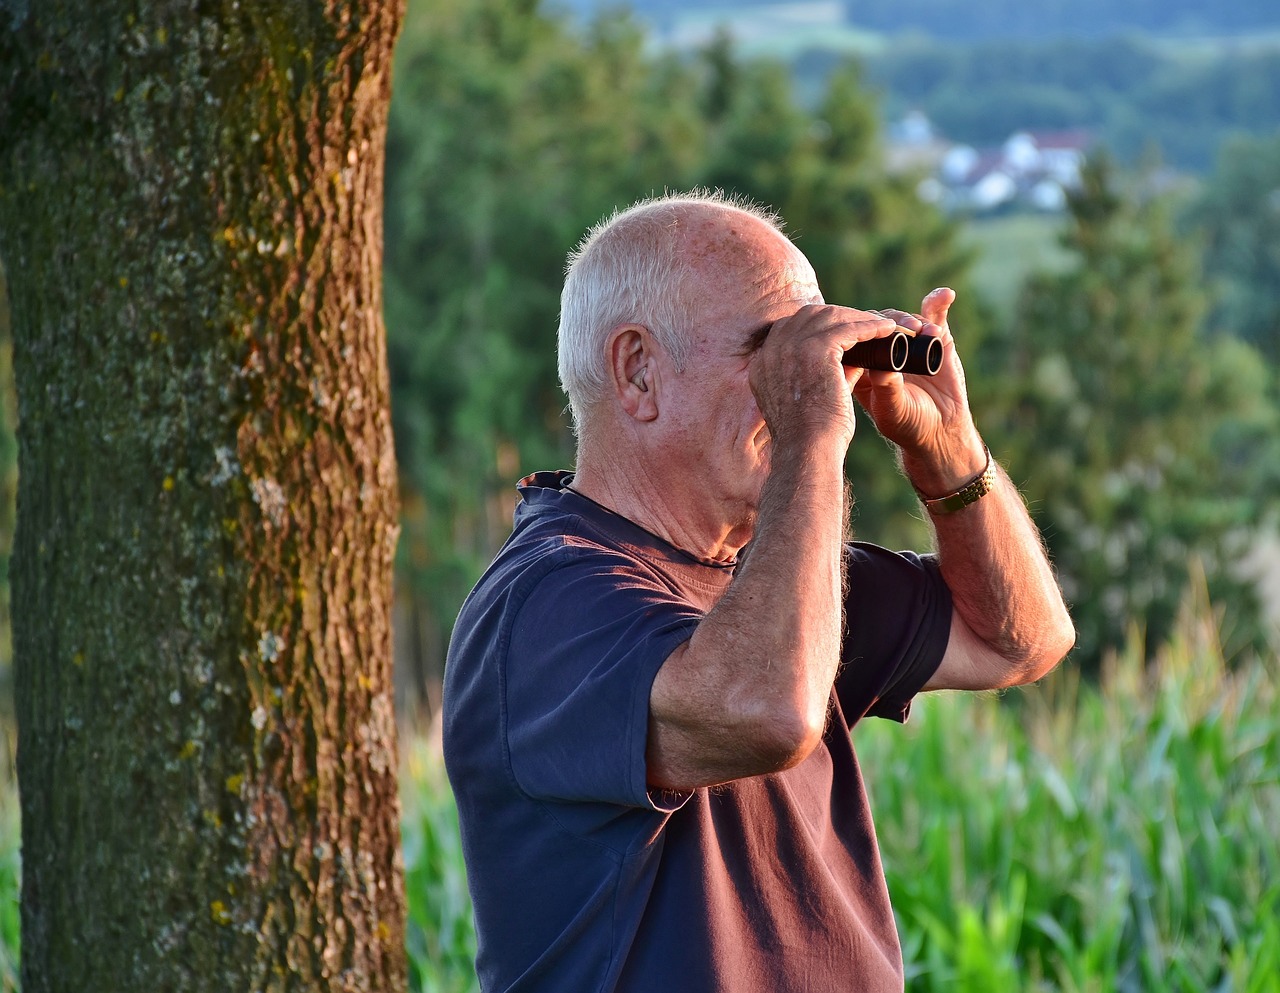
{"x": 649, "y": 694}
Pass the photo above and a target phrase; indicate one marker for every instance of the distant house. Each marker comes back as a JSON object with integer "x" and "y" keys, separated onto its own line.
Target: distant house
{"x": 1050, "y": 159}
{"x": 1031, "y": 169}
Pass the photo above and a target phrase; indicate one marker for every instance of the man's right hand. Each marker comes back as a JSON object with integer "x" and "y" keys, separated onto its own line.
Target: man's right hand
{"x": 802, "y": 387}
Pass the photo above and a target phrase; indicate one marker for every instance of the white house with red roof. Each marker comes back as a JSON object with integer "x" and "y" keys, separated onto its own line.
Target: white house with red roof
{"x": 1034, "y": 169}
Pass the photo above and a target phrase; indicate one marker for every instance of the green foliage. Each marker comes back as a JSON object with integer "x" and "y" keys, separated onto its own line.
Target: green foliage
{"x": 441, "y": 935}
{"x": 513, "y": 131}
{"x": 1130, "y": 93}
{"x": 510, "y": 133}
{"x": 1238, "y": 214}
{"x": 1089, "y": 838}
{"x": 1071, "y": 836}
{"x": 10, "y": 857}
{"x": 1009, "y": 248}
{"x": 8, "y": 475}
{"x": 1130, "y": 431}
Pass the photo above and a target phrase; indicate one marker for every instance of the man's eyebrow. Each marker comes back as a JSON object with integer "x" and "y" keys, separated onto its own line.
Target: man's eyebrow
{"x": 755, "y": 339}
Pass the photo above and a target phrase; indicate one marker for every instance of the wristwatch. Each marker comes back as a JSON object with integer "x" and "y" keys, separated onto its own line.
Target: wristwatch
{"x": 970, "y": 492}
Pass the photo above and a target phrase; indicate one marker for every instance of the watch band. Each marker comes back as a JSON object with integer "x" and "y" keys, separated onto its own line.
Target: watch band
{"x": 970, "y": 492}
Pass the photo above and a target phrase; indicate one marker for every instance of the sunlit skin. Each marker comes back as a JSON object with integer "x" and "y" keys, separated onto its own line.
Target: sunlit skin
{"x": 746, "y": 443}
{"x": 754, "y": 280}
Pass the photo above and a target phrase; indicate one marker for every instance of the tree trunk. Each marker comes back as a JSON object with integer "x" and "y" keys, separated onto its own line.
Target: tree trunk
{"x": 190, "y": 219}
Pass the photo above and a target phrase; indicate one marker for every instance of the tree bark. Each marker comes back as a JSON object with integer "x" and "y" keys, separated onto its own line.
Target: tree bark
{"x": 190, "y": 219}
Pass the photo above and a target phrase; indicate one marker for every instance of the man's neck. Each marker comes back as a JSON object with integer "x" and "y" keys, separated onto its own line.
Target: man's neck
{"x": 663, "y": 507}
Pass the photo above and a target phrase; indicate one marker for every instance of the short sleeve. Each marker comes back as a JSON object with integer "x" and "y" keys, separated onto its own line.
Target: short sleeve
{"x": 584, "y": 650}
{"x": 897, "y": 625}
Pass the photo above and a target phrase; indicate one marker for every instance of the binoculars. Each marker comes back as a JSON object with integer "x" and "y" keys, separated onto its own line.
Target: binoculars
{"x": 902, "y": 351}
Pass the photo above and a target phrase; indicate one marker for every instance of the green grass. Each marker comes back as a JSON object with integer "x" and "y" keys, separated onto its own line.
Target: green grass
{"x": 1112, "y": 838}
{"x": 10, "y": 860}
{"x": 1064, "y": 837}
{"x": 1010, "y": 247}
{"x": 441, "y": 939}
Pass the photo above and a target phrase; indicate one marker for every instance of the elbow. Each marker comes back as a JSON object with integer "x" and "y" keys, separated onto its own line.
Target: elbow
{"x": 780, "y": 738}
{"x": 1059, "y": 641}
{"x": 1040, "y": 656}
{"x": 726, "y": 750}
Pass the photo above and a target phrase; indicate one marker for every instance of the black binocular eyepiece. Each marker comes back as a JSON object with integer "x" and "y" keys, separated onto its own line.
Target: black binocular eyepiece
{"x": 902, "y": 351}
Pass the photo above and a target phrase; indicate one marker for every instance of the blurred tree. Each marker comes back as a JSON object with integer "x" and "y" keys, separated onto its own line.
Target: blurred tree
{"x": 512, "y": 132}
{"x": 1238, "y": 214}
{"x": 1130, "y": 429}
{"x": 8, "y": 488}
{"x": 190, "y": 217}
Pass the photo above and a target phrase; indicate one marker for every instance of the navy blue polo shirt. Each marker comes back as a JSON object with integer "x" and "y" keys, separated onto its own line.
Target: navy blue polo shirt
{"x": 582, "y": 878}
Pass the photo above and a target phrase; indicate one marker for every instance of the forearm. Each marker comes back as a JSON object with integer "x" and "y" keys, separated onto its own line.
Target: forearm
{"x": 1002, "y": 586}
{"x": 1009, "y": 623}
{"x": 748, "y": 693}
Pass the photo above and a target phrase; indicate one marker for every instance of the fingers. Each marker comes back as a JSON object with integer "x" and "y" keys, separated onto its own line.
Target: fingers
{"x": 933, "y": 311}
{"x": 844, "y": 326}
{"x": 797, "y": 376}
{"x": 931, "y": 322}
{"x": 823, "y": 332}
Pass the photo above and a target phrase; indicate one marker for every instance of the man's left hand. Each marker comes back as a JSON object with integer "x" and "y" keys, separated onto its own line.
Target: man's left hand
{"x": 928, "y": 417}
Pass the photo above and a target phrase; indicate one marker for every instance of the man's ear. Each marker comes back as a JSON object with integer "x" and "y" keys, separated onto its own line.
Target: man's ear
{"x": 634, "y": 371}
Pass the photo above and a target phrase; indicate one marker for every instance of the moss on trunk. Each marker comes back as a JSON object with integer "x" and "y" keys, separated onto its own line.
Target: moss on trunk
{"x": 190, "y": 220}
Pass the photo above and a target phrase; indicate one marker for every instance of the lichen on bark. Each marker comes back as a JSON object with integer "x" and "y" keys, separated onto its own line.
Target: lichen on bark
{"x": 190, "y": 201}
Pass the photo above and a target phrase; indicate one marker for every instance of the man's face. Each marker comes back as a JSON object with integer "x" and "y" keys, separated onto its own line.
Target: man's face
{"x": 750, "y": 276}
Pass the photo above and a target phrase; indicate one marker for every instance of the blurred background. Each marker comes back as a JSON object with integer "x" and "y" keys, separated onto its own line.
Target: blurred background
{"x": 1100, "y": 182}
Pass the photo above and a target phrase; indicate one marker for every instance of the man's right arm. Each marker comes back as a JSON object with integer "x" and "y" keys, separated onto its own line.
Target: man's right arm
{"x": 748, "y": 694}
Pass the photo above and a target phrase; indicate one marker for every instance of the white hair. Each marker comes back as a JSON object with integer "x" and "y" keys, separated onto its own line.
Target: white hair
{"x": 630, "y": 269}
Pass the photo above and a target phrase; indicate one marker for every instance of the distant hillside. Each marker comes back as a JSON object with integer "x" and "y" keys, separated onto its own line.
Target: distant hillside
{"x": 958, "y": 19}
{"x": 1173, "y": 77}
{"x": 1133, "y": 94}
{"x": 994, "y": 19}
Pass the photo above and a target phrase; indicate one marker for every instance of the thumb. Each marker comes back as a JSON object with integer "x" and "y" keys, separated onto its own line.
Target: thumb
{"x": 937, "y": 304}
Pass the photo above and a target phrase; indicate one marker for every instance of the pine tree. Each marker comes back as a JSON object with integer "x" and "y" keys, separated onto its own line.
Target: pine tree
{"x": 1120, "y": 415}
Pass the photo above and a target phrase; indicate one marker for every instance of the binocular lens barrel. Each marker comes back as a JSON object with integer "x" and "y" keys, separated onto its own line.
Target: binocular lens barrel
{"x": 920, "y": 355}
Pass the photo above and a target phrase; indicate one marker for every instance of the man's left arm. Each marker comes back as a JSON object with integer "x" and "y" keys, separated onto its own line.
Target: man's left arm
{"x": 1009, "y": 623}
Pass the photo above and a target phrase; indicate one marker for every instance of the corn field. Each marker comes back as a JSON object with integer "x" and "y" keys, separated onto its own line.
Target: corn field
{"x": 1071, "y": 836}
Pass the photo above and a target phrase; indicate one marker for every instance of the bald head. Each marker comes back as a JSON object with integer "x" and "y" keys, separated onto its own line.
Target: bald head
{"x": 649, "y": 265}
